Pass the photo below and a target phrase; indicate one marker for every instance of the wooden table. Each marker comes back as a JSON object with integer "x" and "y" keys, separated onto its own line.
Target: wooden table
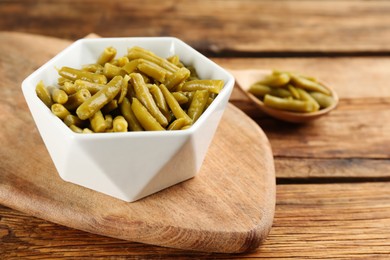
{"x": 333, "y": 190}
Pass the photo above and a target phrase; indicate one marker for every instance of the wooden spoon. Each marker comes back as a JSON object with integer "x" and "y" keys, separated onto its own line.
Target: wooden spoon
{"x": 245, "y": 78}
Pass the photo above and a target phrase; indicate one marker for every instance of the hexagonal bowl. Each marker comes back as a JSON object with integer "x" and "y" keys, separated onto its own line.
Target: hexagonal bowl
{"x": 131, "y": 165}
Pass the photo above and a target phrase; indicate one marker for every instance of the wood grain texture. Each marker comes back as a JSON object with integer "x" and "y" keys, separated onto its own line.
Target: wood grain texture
{"x": 218, "y": 27}
{"x": 325, "y": 221}
{"x": 236, "y": 181}
{"x": 331, "y": 169}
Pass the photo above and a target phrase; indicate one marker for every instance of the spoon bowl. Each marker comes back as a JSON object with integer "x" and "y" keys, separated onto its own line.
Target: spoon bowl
{"x": 245, "y": 78}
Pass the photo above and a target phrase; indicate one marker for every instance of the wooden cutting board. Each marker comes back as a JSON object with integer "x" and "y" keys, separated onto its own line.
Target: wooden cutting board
{"x": 227, "y": 207}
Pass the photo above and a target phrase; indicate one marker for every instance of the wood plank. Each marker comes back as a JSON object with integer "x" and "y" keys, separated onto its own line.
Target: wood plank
{"x": 218, "y": 27}
{"x": 309, "y": 170}
{"x": 326, "y": 221}
{"x": 331, "y": 221}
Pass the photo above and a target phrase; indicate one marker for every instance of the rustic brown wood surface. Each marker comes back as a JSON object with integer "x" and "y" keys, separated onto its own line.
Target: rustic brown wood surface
{"x": 319, "y": 221}
{"x": 333, "y": 174}
{"x": 220, "y": 27}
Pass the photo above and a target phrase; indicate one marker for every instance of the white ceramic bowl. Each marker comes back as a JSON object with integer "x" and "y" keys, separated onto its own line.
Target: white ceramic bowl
{"x": 131, "y": 165}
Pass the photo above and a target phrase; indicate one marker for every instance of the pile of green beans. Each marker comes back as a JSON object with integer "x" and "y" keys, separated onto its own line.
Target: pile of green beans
{"x": 137, "y": 92}
{"x": 292, "y": 92}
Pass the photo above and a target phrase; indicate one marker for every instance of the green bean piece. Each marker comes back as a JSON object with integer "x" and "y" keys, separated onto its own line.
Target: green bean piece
{"x": 180, "y": 97}
{"x": 59, "y": 96}
{"x": 130, "y": 92}
{"x": 124, "y": 88}
{"x": 190, "y": 95}
{"x": 101, "y": 98}
{"x": 198, "y": 104}
{"x": 75, "y": 74}
{"x": 179, "y": 76}
{"x": 43, "y": 94}
{"x": 74, "y": 120}
{"x": 193, "y": 74}
{"x": 293, "y": 73}
{"x": 152, "y": 70}
{"x": 175, "y": 60}
{"x": 87, "y": 131}
{"x": 309, "y": 85}
{"x": 98, "y": 122}
{"x": 60, "y": 111}
{"x": 128, "y": 114}
{"x": 115, "y": 63}
{"x": 61, "y": 81}
{"x": 310, "y": 78}
{"x": 178, "y": 124}
{"x": 143, "y": 95}
{"x": 149, "y": 85}
{"x": 276, "y": 80}
{"x": 107, "y": 55}
{"x": 280, "y": 92}
{"x": 120, "y": 124}
{"x": 259, "y": 90}
{"x": 111, "y": 71}
{"x": 110, "y": 106}
{"x": 140, "y": 53}
{"x": 289, "y": 105}
{"x": 323, "y": 100}
{"x": 92, "y": 87}
{"x": 69, "y": 88}
{"x": 122, "y": 61}
{"x": 145, "y": 77}
{"x": 131, "y": 66}
{"x": 209, "y": 101}
{"x": 185, "y": 127}
{"x": 94, "y": 68}
{"x": 173, "y": 104}
{"x": 213, "y": 86}
{"x": 75, "y": 100}
{"x": 293, "y": 90}
{"x": 143, "y": 116}
{"x": 76, "y": 129}
{"x": 109, "y": 121}
{"x": 160, "y": 101}
{"x": 307, "y": 97}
